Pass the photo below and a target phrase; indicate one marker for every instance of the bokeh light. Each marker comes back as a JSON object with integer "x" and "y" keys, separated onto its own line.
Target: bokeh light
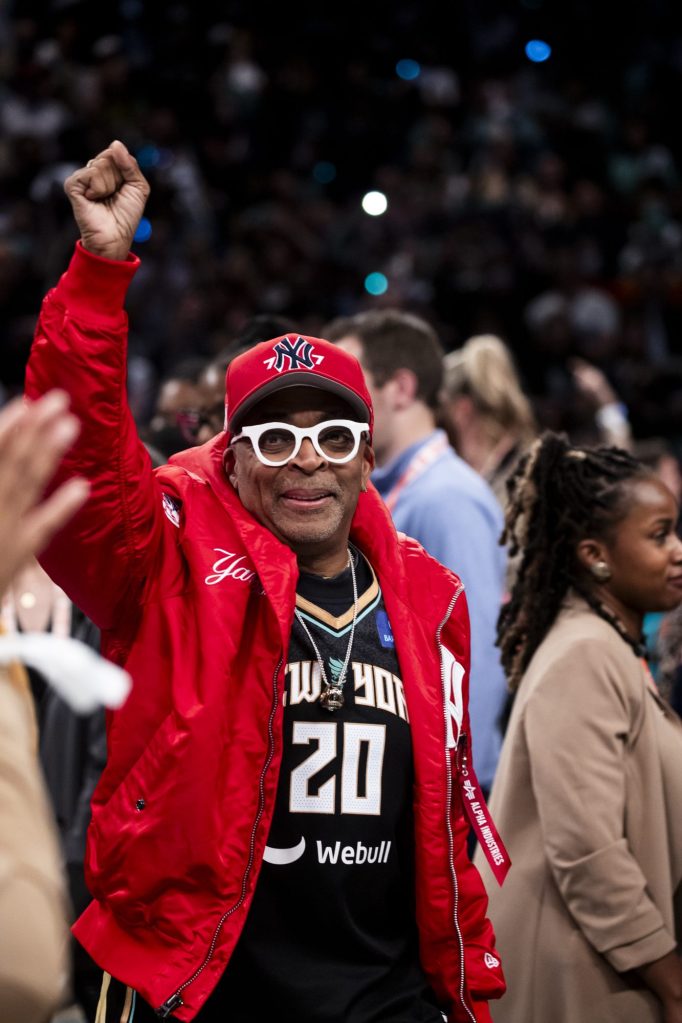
{"x": 374, "y": 203}
{"x": 408, "y": 70}
{"x": 144, "y": 231}
{"x": 148, "y": 156}
{"x": 324, "y": 172}
{"x": 538, "y": 51}
{"x": 376, "y": 283}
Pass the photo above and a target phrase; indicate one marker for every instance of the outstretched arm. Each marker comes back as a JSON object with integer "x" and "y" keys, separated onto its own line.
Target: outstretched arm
{"x": 33, "y": 910}
{"x": 104, "y": 557}
{"x": 32, "y": 440}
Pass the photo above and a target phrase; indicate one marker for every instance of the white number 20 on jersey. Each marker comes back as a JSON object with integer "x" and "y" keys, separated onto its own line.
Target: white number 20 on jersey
{"x": 359, "y": 740}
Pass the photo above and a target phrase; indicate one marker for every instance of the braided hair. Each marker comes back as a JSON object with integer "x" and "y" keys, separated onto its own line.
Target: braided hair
{"x": 557, "y": 496}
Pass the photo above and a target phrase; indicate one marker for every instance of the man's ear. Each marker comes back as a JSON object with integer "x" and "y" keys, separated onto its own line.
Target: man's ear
{"x": 407, "y": 387}
{"x": 230, "y": 466}
{"x": 402, "y": 387}
{"x": 367, "y": 465}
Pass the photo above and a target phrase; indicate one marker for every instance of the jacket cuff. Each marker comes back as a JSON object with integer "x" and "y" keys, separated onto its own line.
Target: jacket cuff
{"x": 94, "y": 288}
{"x": 640, "y": 953}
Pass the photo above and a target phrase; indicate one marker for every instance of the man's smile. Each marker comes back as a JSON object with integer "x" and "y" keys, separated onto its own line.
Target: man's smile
{"x": 306, "y": 498}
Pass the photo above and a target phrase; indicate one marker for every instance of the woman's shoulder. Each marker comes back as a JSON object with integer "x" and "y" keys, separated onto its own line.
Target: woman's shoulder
{"x": 581, "y": 647}
{"x": 577, "y": 620}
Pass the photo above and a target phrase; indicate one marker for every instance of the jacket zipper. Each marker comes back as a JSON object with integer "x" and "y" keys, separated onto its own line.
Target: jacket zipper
{"x": 448, "y": 821}
{"x": 176, "y": 1000}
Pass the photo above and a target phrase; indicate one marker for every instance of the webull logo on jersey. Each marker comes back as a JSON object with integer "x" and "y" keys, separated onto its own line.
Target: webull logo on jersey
{"x": 289, "y": 355}
{"x": 353, "y": 854}
{"x": 356, "y": 854}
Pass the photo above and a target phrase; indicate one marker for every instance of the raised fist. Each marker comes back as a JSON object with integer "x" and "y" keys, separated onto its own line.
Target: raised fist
{"x": 108, "y": 197}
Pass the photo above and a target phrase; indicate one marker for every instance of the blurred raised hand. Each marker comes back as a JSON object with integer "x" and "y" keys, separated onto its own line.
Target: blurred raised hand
{"x": 592, "y": 382}
{"x": 609, "y": 412}
{"x": 33, "y": 438}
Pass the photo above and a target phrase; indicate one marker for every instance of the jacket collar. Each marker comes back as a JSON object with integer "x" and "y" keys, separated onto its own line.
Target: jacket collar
{"x": 372, "y": 530}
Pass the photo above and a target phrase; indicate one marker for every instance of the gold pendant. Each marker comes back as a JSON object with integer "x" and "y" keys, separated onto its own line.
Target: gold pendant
{"x": 332, "y": 698}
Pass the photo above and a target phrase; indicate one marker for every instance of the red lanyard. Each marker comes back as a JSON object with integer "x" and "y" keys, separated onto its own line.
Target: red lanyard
{"x": 419, "y": 462}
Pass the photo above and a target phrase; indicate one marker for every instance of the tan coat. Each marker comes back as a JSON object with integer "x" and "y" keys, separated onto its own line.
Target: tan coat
{"x": 33, "y": 928}
{"x": 588, "y": 799}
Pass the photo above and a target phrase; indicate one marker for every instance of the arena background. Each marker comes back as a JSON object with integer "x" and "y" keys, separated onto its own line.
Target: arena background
{"x": 535, "y": 198}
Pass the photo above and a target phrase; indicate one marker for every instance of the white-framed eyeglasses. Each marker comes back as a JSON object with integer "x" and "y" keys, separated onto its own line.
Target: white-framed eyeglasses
{"x": 336, "y": 440}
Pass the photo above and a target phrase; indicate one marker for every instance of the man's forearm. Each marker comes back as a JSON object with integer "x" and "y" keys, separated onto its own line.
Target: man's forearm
{"x": 80, "y": 346}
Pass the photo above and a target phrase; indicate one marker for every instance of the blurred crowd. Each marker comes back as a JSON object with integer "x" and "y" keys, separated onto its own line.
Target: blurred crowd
{"x": 539, "y": 202}
{"x": 532, "y": 235}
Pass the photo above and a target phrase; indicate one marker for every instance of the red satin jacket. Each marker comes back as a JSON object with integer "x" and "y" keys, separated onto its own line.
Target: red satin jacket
{"x": 196, "y": 599}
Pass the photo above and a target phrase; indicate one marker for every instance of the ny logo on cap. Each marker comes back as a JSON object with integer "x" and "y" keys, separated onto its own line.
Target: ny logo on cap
{"x": 299, "y": 354}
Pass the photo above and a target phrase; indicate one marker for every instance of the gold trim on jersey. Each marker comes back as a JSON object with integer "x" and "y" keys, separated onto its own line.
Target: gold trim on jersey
{"x": 103, "y": 1003}
{"x": 319, "y": 613}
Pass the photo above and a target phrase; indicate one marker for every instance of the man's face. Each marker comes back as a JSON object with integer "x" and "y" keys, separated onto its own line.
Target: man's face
{"x": 309, "y": 502}
{"x": 381, "y": 397}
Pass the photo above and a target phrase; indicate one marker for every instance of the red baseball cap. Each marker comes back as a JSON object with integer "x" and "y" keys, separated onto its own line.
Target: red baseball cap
{"x": 294, "y": 361}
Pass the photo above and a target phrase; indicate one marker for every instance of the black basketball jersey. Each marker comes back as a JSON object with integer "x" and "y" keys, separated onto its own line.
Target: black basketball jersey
{"x": 331, "y": 934}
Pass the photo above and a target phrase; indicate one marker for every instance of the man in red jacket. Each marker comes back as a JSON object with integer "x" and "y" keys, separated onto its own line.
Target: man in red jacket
{"x": 280, "y": 830}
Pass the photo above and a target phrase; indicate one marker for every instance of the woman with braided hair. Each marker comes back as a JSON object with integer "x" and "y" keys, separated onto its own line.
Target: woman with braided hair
{"x": 588, "y": 792}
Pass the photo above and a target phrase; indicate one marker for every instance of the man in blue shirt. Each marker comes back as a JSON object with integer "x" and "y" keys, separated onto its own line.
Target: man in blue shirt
{"x": 433, "y": 494}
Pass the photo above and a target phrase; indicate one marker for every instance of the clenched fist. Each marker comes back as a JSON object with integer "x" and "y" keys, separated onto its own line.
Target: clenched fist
{"x": 108, "y": 197}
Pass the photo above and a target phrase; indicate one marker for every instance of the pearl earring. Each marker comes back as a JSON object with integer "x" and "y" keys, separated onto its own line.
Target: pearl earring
{"x": 601, "y": 571}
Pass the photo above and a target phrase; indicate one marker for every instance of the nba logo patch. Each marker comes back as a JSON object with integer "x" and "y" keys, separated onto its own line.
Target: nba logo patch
{"x": 171, "y": 509}
{"x": 384, "y": 629}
